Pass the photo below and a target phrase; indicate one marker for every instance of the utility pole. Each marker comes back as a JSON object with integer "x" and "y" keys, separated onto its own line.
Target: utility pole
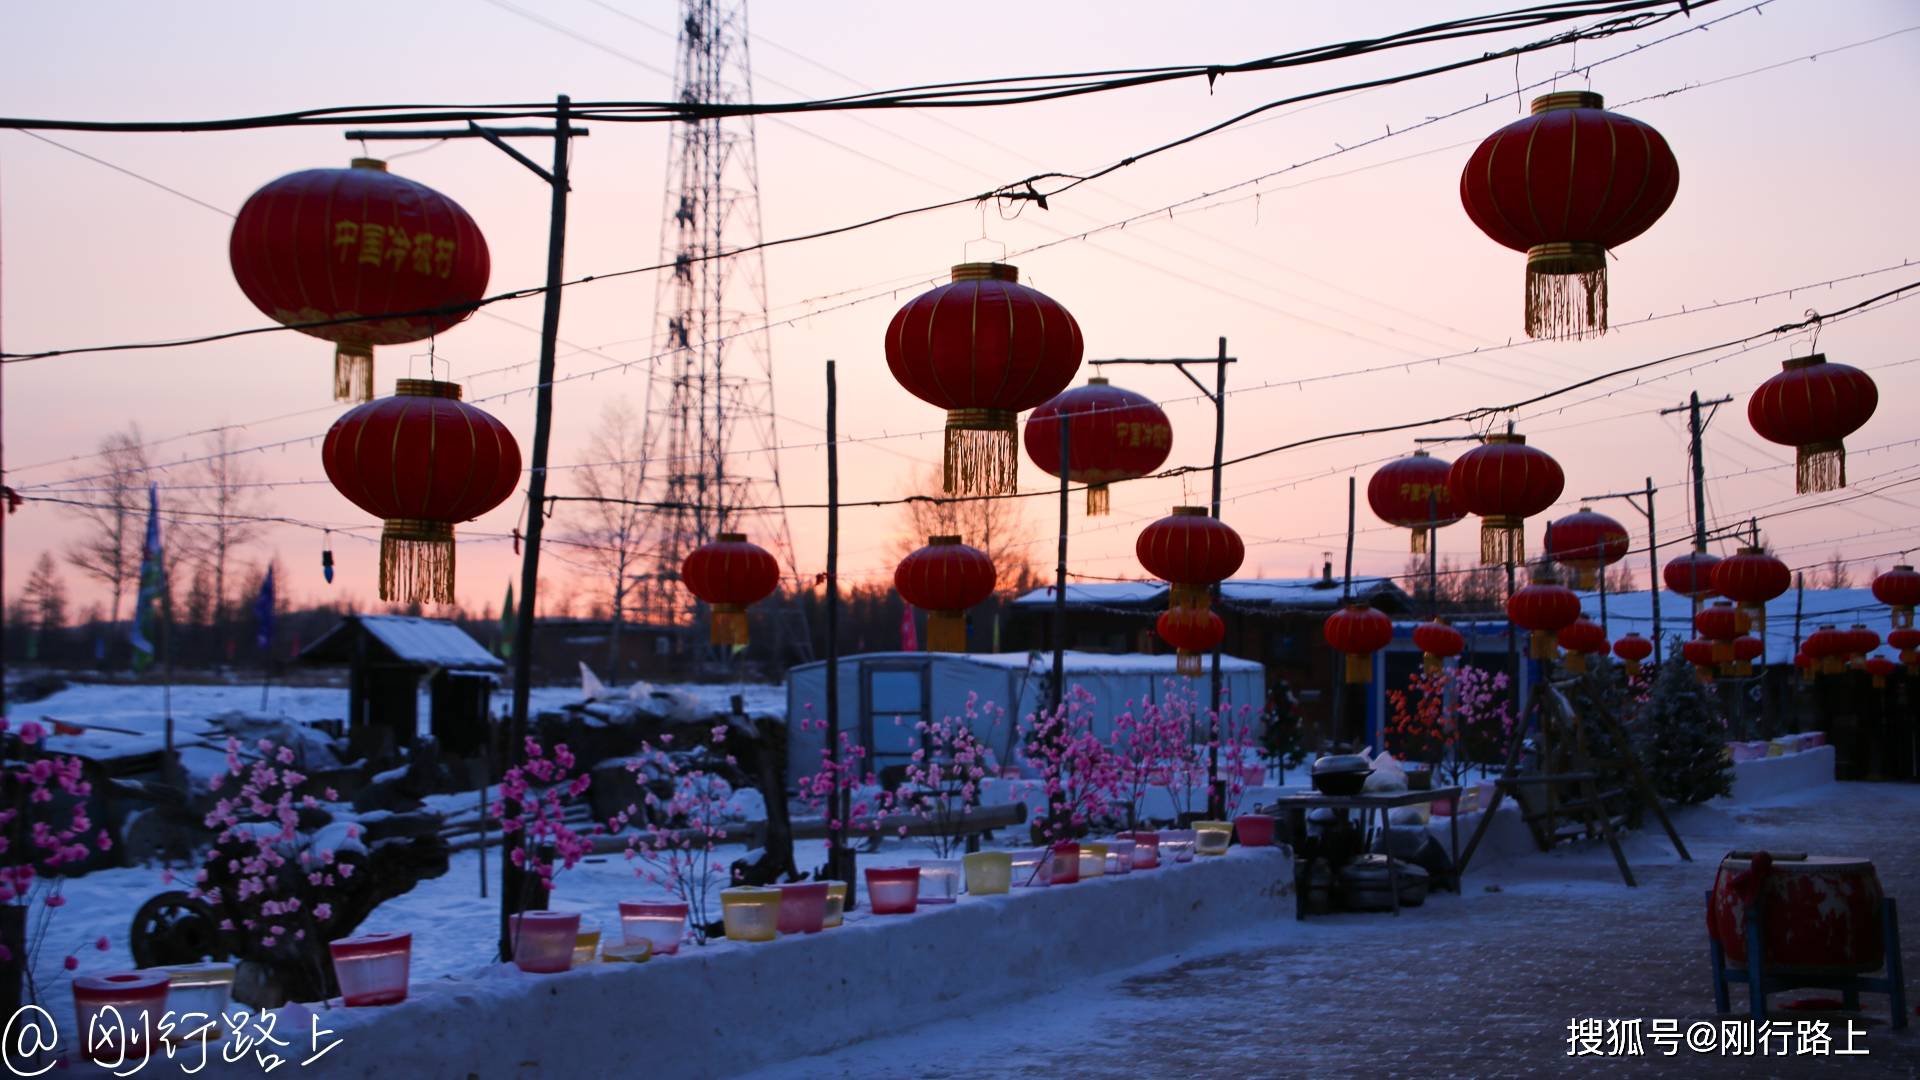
{"x": 1697, "y": 427}
{"x": 514, "y": 883}
{"x": 1653, "y": 550}
{"x": 1216, "y": 794}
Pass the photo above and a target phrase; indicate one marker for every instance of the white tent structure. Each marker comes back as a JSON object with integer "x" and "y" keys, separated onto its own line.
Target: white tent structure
{"x": 883, "y": 695}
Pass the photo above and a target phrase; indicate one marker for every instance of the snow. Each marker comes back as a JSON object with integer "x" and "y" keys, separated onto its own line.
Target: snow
{"x": 414, "y": 640}
{"x": 1770, "y": 777}
{"x": 1277, "y": 592}
{"x": 1816, "y": 607}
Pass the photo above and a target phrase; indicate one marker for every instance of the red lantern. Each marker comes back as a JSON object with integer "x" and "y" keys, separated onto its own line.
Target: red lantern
{"x": 1691, "y": 575}
{"x": 1745, "y": 651}
{"x": 1811, "y": 406}
{"x": 1828, "y": 648}
{"x": 1438, "y": 641}
{"x": 1633, "y": 649}
{"x": 945, "y": 578}
{"x": 1907, "y": 640}
{"x": 1112, "y": 434}
{"x": 1411, "y": 492}
{"x": 1505, "y": 482}
{"x": 729, "y": 573}
{"x": 1358, "y": 631}
{"x": 1699, "y": 653}
{"x": 1880, "y": 667}
{"x": 1751, "y": 578}
{"x": 1860, "y": 642}
{"x": 985, "y": 348}
{"x": 1899, "y": 589}
{"x": 1565, "y": 185}
{"x": 1191, "y": 550}
{"x": 1582, "y": 638}
{"x": 325, "y": 244}
{"x": 1720, "y": 624}
{"x": 1193, "y": 632}
{"x": 1587, "y": 542}
{"x": 1545, "y": 607}
{"x": 420, "y": 461}
{"x": 1806, "y": 665}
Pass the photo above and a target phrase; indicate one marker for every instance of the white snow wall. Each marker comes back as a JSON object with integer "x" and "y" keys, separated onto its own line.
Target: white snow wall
{"x": 729, "y": 1007}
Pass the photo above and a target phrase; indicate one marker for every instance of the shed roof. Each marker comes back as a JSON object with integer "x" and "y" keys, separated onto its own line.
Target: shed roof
{"x": 1307, "y": 592}
{"x": 407, "y": 639}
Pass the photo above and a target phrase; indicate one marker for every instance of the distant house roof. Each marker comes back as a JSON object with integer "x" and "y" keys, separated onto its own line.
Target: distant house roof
{"x": 405, "y": 639}
{"x": 1265, "y": 592}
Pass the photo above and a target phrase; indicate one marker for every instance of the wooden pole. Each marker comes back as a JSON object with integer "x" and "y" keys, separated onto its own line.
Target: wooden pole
{"x": 1060, "y": 570}
{"x": 1216, "y": 791}
{"x": 1653, "y": 571}
{"x": 1433, "y": 558}
{"x": 839, "y": 855}
{"x": 512, "y": 881}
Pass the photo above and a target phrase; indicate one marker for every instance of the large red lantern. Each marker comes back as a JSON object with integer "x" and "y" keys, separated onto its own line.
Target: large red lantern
{"x": 1700, "y": 653}
{"x": 1582, "y": 638}
{"x": 1358, "y": 631}
{"x": 1907, "y": 640}
{"x": 1721, "y": 624}
{"x": 945, "y": 578}
{"x": 1828, "y": 648}
{"x": 1587, "y": 542}
{"x": 326, "y": 244}
{"x": 1438, "y": 642}
{"x": 1691, "y": 575}
{"x": 1565, "y": 185}
{"x": 1191, "y": 550}
{"x": 1811, "y": 405}
{"x": 420, "y": 461}
{"x": 1634, "y": 650}
{"x": 1745, "y": 651}
{"x": 1880, "y": 668}
{"x": 1860, "y": 641}
{"x": 1806, "y": 665}
{"x": 1544, "y": 607}
{"x": 1505, "y": 482}
{"x": 1751, "y": 578}
{"x": 1112, "y": 434}
{"x": 1193, "y": 632}
{"x": 985, "y": 348}
{"x": 1411, "y": 492}
{"x": 729, "y": 573}
{"x": 1899, "y": 589}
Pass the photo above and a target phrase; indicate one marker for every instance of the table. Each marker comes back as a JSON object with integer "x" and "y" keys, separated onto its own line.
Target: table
{"x": 1296, "y": 805}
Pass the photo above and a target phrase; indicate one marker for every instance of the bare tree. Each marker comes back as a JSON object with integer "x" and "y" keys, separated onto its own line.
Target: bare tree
{"x": 44, "y": 597}
{"x": 1620, "y": 579}
{"x": 610, "y": 533}
{"x": 998, "y": 527}
{"x": 226, "y": 502}
{"x": 113, "y": 514}
{"x": 1837, "y": 574}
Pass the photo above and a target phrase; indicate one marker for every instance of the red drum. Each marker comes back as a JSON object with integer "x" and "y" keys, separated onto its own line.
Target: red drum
{"x": 1822, "y": 911}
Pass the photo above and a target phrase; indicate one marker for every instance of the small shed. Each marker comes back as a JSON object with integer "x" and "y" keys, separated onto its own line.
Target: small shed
{"x": 884, "y": 694}
{"x": 387, "y": 657}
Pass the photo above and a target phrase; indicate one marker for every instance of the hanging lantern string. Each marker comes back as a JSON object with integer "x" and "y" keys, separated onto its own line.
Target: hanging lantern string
{"x": 1018, "y": 190}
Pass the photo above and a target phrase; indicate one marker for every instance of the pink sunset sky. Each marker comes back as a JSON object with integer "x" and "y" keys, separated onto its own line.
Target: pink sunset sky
{"x": 1791, "y": 175}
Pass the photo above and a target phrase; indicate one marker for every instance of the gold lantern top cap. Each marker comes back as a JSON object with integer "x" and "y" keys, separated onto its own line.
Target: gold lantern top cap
{"x": 370, "y": 163}
{"x": 977, "y": 271}
{"x": 426, "y": 388}
{"x": 942, "y": 541}
{"x": 730, "y": 538}
{"x": 1191, "y": 511}
{"x": 1798, "y": 362}
{"x": 1568, "y": 99}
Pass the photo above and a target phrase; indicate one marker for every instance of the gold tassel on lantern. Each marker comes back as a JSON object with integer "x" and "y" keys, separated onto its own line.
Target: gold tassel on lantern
{"x": 982, "y": 452}
{"x": 947, "y": 631}
{"x": 1099, "y": 500}
{"x": 1431, "y": 664}
{"x": 1566, "y": 291}
{"x": 1502, "y": 539}
{"x": 1705, "y": 674}
{"x": 416, "y": 561}
{"x": 729, "y": 625}
{"x": 1197, "y": 597}
{"x": 1359, "y": 667}
{"x": 1576, "y": 663}
{"x": 352, "y": 373}
{"x": 1633, "y": 669}
{"x": 1192, "y": 663}
{"x": 1586, "y": 575}
{"x": 1419, "y": 541}
{"x": 1820, "y": 467}
{"x": 1543, "y": 644}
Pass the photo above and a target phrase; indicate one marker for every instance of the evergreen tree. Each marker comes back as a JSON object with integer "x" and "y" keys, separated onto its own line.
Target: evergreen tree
{"x": 1682, "y": 737}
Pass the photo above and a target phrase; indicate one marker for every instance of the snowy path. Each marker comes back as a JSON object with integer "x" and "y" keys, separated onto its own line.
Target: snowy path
{"x": 1481, "y": 985}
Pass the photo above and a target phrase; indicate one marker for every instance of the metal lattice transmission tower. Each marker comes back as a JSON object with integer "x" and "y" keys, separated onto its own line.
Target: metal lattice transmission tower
{"x": 710, "y": 420}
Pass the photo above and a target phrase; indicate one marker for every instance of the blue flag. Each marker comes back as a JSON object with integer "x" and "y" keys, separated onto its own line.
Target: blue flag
{"x": 153, "y": 583}
{"x": 263, "y": 613}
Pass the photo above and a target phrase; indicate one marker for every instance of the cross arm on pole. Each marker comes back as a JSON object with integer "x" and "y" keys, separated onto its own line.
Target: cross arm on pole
{"x": 1180, "y": 363}
{"x": 496, "y": 136}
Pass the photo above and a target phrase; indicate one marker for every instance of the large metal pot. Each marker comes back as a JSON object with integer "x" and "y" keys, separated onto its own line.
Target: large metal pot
{"x": 1341, "y": 774}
